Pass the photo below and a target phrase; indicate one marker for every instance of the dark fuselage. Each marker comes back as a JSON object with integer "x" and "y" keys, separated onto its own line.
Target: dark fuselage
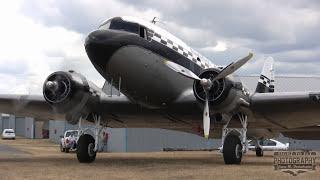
{"x": 137, "y": 64}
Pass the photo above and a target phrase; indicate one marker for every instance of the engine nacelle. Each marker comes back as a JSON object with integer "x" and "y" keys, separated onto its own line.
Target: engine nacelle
{"x": 71, "y": 94}
{"x": 224, "y": 95}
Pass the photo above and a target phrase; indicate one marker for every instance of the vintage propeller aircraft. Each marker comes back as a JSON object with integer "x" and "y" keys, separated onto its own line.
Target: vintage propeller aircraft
{"x": 163, "y": 83}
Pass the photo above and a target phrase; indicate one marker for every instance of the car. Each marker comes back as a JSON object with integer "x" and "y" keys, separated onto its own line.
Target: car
{"x": 269, "y": 145}
{"x": 8, "y": 134}
{"x": 68, "y": 141}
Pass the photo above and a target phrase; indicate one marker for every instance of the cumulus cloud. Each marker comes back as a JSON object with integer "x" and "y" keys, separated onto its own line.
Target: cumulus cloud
{"x": 81, "y": 15}
{"x": 45, "y": 36}
{"x": 30, "y": 51}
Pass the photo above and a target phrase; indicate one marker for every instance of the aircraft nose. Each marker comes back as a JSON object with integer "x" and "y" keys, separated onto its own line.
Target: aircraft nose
{"x": 97, "y": 36}
{"x": 101, "y": 44}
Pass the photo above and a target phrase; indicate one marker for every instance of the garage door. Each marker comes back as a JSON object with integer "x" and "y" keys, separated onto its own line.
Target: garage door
{"x": 20, "y": 126}
{"x": 5, "y": 122}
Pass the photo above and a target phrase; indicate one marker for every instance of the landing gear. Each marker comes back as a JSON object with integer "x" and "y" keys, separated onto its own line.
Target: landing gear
{"x": 232, "y": 151}
{"x": 259, "y": 152}
{"x": 87, "y": 145}
{"x": 85, "y": 150}
{"x": 234, "y": 141}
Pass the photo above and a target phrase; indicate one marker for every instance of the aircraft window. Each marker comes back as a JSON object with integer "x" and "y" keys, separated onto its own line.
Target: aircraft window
{"x": 143, "y": 32}
{"x": 105, "y": 25}
{"x": 125, "y": 26}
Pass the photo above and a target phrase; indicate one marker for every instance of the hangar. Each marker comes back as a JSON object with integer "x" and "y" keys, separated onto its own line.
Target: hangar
{"x": 141, "y": 139}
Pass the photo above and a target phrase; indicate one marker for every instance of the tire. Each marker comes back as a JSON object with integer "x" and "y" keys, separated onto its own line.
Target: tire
{"x": 85, "y": 149}
{"x": 67, "y": 150}
{"x": 259, "y": 152}
{"x": 232, "y": 150}
{"x": 61, "y": 148}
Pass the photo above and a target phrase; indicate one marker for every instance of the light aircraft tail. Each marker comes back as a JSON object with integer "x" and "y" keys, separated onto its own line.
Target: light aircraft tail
{"x": 266, "y": 80}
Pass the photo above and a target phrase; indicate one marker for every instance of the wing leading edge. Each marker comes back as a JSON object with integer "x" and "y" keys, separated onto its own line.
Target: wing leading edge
{"x": 37, "y": 107}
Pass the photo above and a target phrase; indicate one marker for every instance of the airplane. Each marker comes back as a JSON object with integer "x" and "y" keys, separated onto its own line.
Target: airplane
{"x": 154, "y": 80}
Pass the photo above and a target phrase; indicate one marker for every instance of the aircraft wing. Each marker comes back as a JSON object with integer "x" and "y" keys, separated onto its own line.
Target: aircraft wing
{"x": 287, "y": 109}
{"x": 26, "y": 105}
{"x": 36, "y": 106}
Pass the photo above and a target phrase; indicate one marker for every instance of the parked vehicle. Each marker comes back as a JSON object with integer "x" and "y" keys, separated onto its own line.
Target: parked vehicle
{"x": 8, "y": 134}
{"x": 269, "y": 145}
{"x": 68, "y": 141}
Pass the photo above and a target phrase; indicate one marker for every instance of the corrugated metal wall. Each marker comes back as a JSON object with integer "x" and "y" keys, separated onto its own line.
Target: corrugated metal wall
{"x": 145, "y": 139}
{"x": 7, "y": 122}
{"x": 20, "y": 123}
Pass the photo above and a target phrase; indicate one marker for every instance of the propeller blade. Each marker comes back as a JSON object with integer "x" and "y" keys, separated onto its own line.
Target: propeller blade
{"x": 232, "y": 67}
{"x": 206, "y": 117}
{"x": 181, "y": 70}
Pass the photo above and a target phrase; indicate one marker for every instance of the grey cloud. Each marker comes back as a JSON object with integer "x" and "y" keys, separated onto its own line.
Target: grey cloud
{"x": 269, "y": 26}
{"x": 286, "y": 30}
{"x": 80, "y": 15}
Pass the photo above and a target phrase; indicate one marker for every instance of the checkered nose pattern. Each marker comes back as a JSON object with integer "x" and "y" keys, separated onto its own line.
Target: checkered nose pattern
{"x": 266, "y": 81}
{"x": 172, "y": 45}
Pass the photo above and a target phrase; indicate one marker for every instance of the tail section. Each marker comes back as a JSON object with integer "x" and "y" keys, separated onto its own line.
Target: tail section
{"x": 266, "y": 80}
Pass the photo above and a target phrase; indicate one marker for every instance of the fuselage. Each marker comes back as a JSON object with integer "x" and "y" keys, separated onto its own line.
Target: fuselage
{"x": 130, "y": 54}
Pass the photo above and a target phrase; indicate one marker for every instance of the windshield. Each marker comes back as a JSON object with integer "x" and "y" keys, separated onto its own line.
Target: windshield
{"x": 119, "y": 24}
{"x": 72, "y": 133}
{"x": 105, "y": 25}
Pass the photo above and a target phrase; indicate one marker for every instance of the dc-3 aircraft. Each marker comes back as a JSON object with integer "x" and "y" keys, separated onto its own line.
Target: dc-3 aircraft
{"x": 163, "y": 83}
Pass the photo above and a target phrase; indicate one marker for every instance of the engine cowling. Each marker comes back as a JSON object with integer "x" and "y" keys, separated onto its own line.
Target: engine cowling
{"x": 223, "y": 94}
{"x": 71, "y": 94}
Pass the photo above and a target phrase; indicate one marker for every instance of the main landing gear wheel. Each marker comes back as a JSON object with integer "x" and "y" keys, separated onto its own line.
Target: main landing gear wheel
{"x": 259, "y": 152}
{"x": 232, "y": 150}
{"x": 85, "y": 149}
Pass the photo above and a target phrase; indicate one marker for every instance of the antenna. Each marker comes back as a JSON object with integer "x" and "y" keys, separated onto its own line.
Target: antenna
{"x": 157, "y": 20}
{"x": 154, "y": 20}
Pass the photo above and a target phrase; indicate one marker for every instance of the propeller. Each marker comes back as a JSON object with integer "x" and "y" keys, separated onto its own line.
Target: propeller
{"x": 207, "y": 83}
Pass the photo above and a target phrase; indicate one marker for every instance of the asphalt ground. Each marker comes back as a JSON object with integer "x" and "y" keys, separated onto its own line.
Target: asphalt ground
{"x": 41, "y": 159}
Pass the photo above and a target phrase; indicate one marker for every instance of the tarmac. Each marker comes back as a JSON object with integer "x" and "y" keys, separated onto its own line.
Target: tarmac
{"x": 42, "y": 159}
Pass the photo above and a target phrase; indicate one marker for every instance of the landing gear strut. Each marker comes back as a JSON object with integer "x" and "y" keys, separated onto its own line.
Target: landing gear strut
{"x": 87, "y": 146}
{"x": 259, "y": 150}
{"x": 234, "y": 141}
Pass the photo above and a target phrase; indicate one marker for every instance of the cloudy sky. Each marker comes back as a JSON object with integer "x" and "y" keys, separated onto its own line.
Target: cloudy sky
{"x": 39, "y": 37}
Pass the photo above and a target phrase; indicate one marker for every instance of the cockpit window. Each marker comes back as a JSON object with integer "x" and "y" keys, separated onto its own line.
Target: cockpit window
{"x": 119, "y": 24}
{"x": 106, "y": 25}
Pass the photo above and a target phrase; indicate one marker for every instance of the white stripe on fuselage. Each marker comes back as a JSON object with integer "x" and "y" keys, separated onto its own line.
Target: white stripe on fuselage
{"x": 203, "y": 62}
